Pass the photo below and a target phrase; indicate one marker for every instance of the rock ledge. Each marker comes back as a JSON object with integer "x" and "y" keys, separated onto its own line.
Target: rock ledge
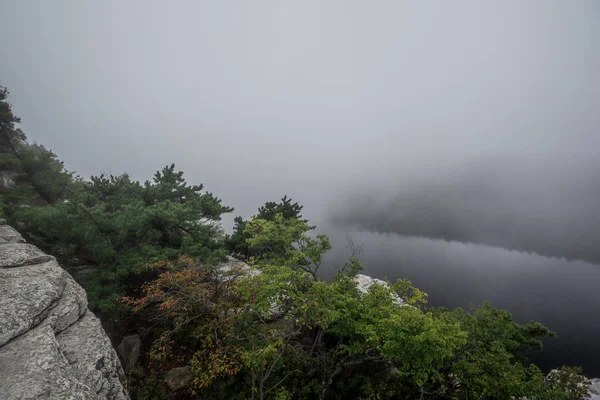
{"x": 51, "y": 345}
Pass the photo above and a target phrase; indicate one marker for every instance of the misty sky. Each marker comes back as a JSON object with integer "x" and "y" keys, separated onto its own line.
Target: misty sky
{"x": 258, "y": 99}
{"x": 466, "y": 121}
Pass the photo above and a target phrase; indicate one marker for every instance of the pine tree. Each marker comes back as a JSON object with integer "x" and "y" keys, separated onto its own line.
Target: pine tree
{"x": 30, "y": 173}
{"x": 288, "y": 209}
{"x": 237, "y": 242}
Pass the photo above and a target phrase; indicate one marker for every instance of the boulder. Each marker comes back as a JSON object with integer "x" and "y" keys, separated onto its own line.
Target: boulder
{"x": 364, "y": 282}
{"x": 178, "y": 378}
{"x": 91, "y": 356}
{"x": 234, "y": 264}
{"x": 594, "y": 389}
{"x": 129, "y": 350}
{"x": 8, "y": 234}
{"x": 32, "y": 366}
{"x": 20, "y": 254}
{"x": 51, "y": 345}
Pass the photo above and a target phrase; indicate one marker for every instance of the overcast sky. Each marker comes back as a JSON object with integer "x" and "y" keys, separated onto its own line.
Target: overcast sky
{"x": 468, "y": 121}
{"x": 259, "y": 99}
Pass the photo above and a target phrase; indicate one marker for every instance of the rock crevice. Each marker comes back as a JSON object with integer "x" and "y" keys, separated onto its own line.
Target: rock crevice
{"x": 51, "y": 345}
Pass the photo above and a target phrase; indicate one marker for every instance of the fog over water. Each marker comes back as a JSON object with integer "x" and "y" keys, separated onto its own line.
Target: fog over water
{"x": 458, "y": 141}
{"x": 548, "y": 206}
{"x": 520, "y": 233}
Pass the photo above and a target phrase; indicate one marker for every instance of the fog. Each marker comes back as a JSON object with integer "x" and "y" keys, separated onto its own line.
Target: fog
{"x": 401, "y": 123}
{"x": 547, "y": 206}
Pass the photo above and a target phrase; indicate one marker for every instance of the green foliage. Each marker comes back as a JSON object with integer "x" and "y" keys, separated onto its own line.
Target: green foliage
{"x": 7, "y": 118}
{"x": 30, "y": 174}
{"x": 112, "y": 222}
{"x": 122, "y": 226}
{"x": 285, "y": 242}
{"x": 286, "y": 208}
{"x": 490, "y": 364}
{"x": 237, "y": 243}
{"x": 284, "y": 333}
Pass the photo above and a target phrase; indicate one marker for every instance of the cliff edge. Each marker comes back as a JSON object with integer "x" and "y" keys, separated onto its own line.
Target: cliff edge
{"x": 51, "y": 345}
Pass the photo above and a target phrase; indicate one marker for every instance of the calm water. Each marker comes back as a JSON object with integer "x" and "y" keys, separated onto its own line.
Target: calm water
{"x": 565, "y": 296}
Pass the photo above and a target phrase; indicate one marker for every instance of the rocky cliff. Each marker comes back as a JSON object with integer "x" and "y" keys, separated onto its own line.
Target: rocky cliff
{"x": 51, "y": 345}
